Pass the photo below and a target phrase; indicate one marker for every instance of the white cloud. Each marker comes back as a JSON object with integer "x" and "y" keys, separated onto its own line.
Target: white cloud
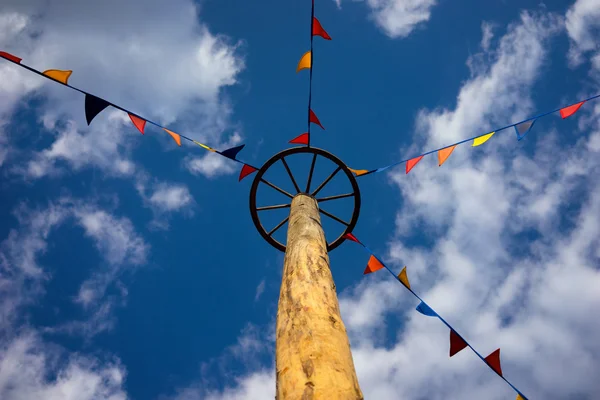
{"x": 260, "y": 289}
{"x": 171, "y": 197}
{"x": 164, "y": 199}
{"x": 398, "y": 18}
{"x": 175, "y": 74}
{"x": 212, "y": 165}
{"x": 488, "y": 34}
{"x": 583, "y": 23}
{"x": 26, "y": 363}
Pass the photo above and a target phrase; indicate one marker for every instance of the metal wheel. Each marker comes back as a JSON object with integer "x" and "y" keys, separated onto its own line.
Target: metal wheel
{"x": 340, "y": 167}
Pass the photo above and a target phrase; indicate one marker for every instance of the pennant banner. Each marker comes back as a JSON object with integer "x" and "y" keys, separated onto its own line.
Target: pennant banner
{"x": 318, "y": 30}
{"x": 246, "y": 170}
{"x": 58, "y": 75}
{"x": 457, "y": 342}
{"x": 313, "y": 118}
{"x": 302, "y": 139}
{"x": 521, "y": 128}
{"x": 94, "y": 105}
{"x": 358, "y": 172}
{"x": 305, "y": 62}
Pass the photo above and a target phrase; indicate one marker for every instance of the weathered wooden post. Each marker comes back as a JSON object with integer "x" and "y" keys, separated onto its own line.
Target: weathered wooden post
{"x": 313, "y": 357}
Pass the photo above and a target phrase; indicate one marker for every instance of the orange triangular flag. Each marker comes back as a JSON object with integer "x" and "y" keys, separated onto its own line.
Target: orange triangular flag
{"x": 410, "y": 164}
{"x": 175, "y": 136}
{"x": 305, "y": 62}
{"x": 358, "y": 172}
{"x": 568, "y": 111}
{"x": 493, "y": 360}
{"x": 443, "y": 154}
{"x": 246, "y": 170}
{"x": 58, "y": 75}
{"x": 456, "y": 343}
{"x": 403, "y": 277}
{"x": 373, "y": 265}
{"x": 139, "y": 123}
{"x": 519, "y": 397}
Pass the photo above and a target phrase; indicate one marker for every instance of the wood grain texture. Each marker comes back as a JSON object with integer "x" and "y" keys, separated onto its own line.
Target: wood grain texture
{"x": 313, "y": 357}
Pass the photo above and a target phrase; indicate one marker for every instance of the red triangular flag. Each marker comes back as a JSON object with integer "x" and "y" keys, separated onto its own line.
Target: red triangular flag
{"x": 10, "y": 57}
{"x": 410, "y": 164}
{"x": 350, "y": 236}
{"x": 456, "y": 343}
{"x": 302, "y": 139}
{"x": 493, "y": 360}
{"x": 568, "y": 111}
{"x": 373, "y": 265}
{"x": 139, "y": 123}
{"x": 246, "y": 170}
{"x": 318, "y": 29}
{"x": 313, "y": 118}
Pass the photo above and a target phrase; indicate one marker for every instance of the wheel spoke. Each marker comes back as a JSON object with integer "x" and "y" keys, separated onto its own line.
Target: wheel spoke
{"x": 273, "y": 207}
{"x": 334, "y": 217}
{"x": 310, "y": 174}
{"x": 278, "y": 226}
{"x": 277, "y": 188}
{"x": 339, "y": 196}
{"x": 326, "y": 181}
{"x": 287, "y": 168}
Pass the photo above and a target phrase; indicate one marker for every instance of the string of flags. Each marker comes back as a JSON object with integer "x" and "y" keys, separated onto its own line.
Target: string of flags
{"x": 521, "y": 130}
{"x": 457, "y": 341}
{"x": 306, "y": 62}
{"x": 94, "y": 105}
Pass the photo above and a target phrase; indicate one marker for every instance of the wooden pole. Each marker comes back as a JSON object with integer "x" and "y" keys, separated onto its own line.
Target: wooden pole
{"x": 313, "y": 358}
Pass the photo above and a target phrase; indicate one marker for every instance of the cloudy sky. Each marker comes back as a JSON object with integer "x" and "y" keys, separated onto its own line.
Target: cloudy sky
{"x": 130, "y": 267}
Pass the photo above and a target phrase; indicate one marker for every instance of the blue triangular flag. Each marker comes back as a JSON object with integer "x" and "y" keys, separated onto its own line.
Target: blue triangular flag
{"x": 232, "y": 152}
{"x": 94, "y": 106}
{"x": 523, "y": 128}
{"x": 426, "y": 310}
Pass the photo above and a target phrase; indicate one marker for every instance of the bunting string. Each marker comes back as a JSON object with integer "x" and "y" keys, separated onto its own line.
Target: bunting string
{"x": 457, "y": 341}
{"x": 521, "y": 128}
{"x": 94, "y": 105}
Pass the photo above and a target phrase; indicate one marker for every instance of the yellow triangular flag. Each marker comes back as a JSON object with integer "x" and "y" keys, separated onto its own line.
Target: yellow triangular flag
{"x": 205, "y": 146}
{"x": 404, "y": 278}
{"x": 175, "y": 136}
{"x": 519, "y": 397}
{"x": 57, "y": 74}
{"x": 305, "y": 62}
{"x": 358, "y": 172}
{"x": 478, "y": 141}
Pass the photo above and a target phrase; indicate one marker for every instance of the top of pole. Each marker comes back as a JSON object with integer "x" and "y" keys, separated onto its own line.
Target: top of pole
{"x": 309, "y": 188}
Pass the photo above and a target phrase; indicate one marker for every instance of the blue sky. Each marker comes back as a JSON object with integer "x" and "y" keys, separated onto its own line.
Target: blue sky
{"x": 130, "y": 268}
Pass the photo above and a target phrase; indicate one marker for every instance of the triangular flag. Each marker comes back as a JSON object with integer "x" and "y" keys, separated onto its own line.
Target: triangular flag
{"x": 403, "y": 277}
{"x": 94, "y": 106}
{"x": 10, "y": 57}
{"x": 568, "y": 111}
{"x": 478, "y": 141}
{"x": 350, "y": 236}
{"x": 318, "y": 30}
{"x": 443, "y": 154}
{"x": 139, "y": 123}
{"x": 519, "y": 397}
{"x": 358, "y": 172}
{"x": 523, "y": 128}
{"x": 312, "y": 117}
{"x": 456, "y": 343}
{"x": 57, "y": 74}
{"x": 493, "y": 360}
{"x": 176, "y": 137}
{"x": 410, "y": 164}
{"x": 373, "y": 265}
{"x": 302, "y": 139}
{"x": 426, "y": 310}
{"x": 305, "y": 62}
{"x": 204, "y": 146}
{"x": 246, "y": 170}
{"x": 232, "y": 152}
